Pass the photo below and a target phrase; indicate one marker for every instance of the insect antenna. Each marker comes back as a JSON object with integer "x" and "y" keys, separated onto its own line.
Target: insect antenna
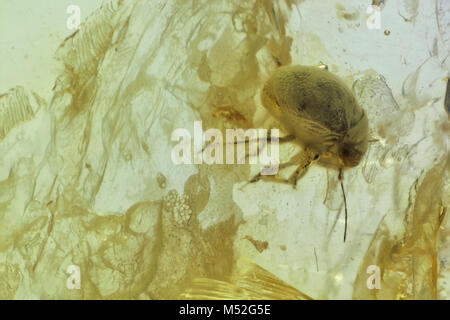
{"x": 341, "y": 178}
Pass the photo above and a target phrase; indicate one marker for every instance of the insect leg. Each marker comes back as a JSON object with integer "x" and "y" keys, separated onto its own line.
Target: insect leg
{"x": 302, "y": 160}
{"x": 284, "y": 139}
{"x": 274, "y": 178}
{"x": 281, "y": 140}
{"x": 306, "y": 158}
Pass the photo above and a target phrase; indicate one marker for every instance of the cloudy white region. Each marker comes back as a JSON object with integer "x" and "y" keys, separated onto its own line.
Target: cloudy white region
{"x": 87, "y": 177}
{"x": 30, "y": 33}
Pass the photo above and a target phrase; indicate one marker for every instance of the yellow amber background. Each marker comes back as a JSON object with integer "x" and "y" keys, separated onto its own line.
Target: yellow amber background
{"x": 86, "y": 176}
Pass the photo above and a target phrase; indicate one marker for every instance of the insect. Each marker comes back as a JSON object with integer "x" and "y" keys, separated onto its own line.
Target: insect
{"x": 320, "y": 114}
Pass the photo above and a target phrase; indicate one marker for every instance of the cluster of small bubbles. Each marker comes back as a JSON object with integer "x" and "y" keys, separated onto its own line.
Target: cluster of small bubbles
{"x": 179, "y": 207}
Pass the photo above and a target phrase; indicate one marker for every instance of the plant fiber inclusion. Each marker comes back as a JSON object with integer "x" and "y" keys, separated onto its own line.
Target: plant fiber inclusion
{"x": 86, "y": 190}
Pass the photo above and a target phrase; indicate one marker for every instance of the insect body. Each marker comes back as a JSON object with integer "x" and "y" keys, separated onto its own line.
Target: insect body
{"x": 320, "y": 111}
{"x": 321, "y": 114}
